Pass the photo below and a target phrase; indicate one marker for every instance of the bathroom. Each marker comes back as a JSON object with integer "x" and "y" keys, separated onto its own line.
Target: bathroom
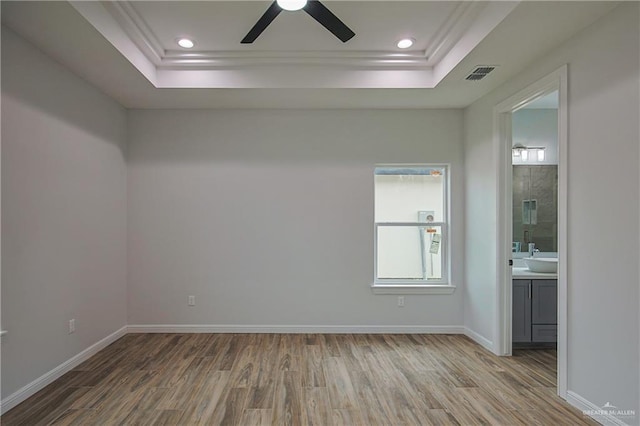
{"x": 535, "y": 222}
{"x": 535, "y": 178}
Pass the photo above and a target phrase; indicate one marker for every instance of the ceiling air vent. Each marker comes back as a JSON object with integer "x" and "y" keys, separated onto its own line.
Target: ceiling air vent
{"x": 480, "y": 72}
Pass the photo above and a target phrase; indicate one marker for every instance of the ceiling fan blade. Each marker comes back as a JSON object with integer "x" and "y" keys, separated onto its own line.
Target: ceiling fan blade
{"x": 330, "y": 21}
{"x": 264, "y": 21}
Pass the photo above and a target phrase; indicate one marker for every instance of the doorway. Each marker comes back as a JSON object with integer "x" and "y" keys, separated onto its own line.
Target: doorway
{"x": 556, "y": 82}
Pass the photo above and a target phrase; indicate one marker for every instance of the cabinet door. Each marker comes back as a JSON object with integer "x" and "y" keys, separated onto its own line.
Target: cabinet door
{"x": 521, "y": 311}
{"x": 544, "y": 304}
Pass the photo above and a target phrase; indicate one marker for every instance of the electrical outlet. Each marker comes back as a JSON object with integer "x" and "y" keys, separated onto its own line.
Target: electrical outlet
{"x": 191, "y": 301}
{"x": 400, "y": 301}
{"x": 72, "y": 326}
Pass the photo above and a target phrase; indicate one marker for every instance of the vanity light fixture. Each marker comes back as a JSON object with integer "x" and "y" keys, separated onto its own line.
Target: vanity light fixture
{"x": 405, "y": 43}
{"x": 525, "y": 154}
{"x": 291, "y": 5}
{"x": 185, "y": 43}
{"x": 517, "y": 150}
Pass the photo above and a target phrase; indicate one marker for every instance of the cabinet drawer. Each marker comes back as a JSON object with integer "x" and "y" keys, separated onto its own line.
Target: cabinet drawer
{"x": 544, "y": 333}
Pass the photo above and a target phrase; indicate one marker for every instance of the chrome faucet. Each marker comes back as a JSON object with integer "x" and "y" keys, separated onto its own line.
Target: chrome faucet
{"x": 532, "y": 249}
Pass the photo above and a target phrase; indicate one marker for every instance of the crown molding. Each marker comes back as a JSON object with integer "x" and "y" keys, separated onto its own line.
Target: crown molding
{"x": 175, "y": 59}
{"x": 136, "y": 28}
{"x": 452, "y": 30}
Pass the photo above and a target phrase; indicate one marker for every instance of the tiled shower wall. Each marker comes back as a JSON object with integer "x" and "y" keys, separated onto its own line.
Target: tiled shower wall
{"x": 538, "y": 183}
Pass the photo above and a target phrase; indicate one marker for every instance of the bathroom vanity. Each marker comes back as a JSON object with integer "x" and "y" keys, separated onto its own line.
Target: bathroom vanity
{"x": 535, "y": 307}
{"x": 534, "y": 253}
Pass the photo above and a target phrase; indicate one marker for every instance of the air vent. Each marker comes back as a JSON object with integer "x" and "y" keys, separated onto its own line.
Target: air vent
{"x": 480, "y": 72}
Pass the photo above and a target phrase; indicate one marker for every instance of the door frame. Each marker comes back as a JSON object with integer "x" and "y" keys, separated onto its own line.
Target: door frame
{"x": 557, "y": 80}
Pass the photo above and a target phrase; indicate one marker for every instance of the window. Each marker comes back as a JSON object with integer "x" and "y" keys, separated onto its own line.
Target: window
{"x": 411, "y": 227}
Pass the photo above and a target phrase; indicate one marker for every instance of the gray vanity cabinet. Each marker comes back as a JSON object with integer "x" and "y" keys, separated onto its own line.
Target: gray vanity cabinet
{"x": 534, "y": 312}
{"x": 521, "y": 318}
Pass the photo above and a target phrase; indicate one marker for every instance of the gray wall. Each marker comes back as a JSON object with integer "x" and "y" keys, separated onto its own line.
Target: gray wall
{"x": 63, "y": 214}
{"x": 603, "y": 275}
{"x": 267, "y": 216}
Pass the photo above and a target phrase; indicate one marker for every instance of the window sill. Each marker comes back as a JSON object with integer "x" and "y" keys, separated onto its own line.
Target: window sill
{"x": 412, "y": 289}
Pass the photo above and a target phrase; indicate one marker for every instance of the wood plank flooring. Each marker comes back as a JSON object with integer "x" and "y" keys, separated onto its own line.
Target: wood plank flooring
{"x": 298, "y": 379}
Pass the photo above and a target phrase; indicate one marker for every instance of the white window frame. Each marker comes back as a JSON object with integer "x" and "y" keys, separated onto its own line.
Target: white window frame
{"x": 398, "y": 286}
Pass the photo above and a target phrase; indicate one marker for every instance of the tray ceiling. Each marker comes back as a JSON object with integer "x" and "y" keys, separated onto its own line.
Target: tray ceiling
{"x": 294, "y": 51}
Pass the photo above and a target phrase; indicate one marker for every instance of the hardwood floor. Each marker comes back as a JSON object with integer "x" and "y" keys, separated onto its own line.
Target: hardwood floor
{"x": 264, "y": 379}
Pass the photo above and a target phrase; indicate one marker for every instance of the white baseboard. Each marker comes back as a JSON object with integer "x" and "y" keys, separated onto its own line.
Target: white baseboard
{"x": 599, "y": 414}
{"x": 479, "y": 339}
{"x": 26, "y": 391}
{"x": 284, "y": 329}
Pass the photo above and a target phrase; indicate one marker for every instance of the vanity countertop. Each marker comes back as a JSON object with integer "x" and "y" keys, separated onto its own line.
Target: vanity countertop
{"x": 524, "y": 273}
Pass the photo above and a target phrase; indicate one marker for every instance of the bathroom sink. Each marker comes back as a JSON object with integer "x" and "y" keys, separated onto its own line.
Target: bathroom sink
{"x": 548, "y": 265}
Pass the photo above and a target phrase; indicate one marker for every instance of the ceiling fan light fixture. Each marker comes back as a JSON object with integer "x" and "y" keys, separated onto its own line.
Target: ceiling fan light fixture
{"x": 291, "y": 5}
{"x": 314, "y": 8}
{"x": 185, "y": 43}
{"x": 405, "y": 43}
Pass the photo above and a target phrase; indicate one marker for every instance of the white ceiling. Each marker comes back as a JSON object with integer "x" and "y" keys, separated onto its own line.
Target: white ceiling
{"x": 220, "y": 25}
{"x": 128, "y": 50}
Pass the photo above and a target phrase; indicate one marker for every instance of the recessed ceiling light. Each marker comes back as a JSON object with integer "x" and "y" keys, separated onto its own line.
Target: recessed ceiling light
{"x": 405, "y": 43}
{"x": 292, "y": 4}
{"x": 185, "y": 43}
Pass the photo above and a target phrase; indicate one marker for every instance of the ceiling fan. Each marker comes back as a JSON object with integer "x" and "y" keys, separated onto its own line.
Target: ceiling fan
{"x": 317, "y": 10}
